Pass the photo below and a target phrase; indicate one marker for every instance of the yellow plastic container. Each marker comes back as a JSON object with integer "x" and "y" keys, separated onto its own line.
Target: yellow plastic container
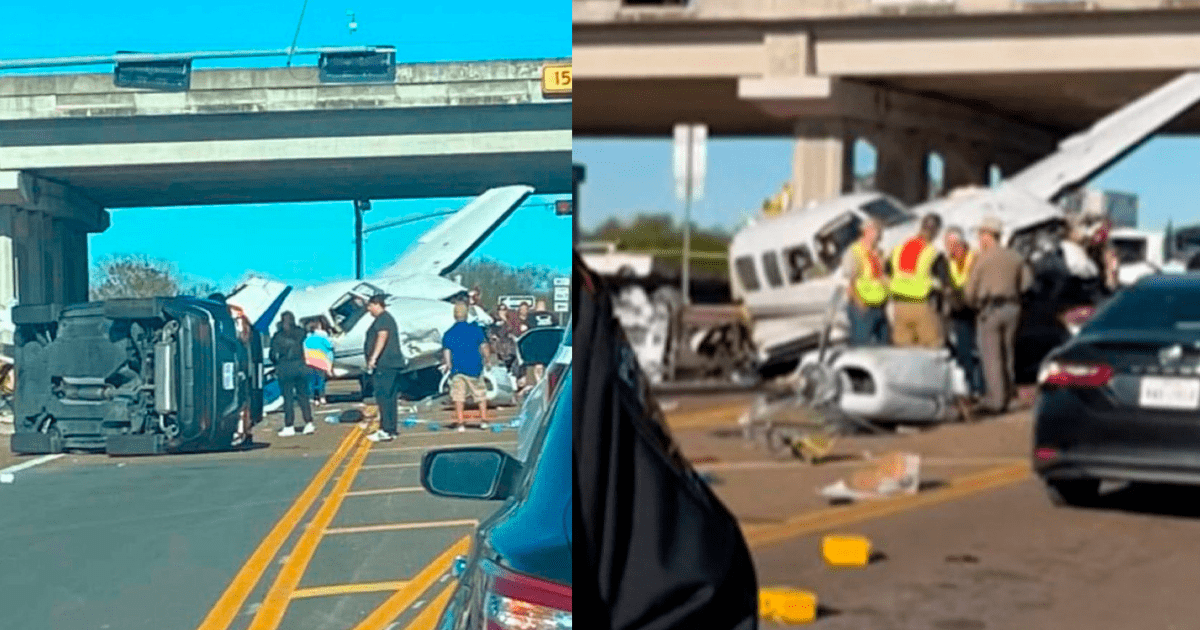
{"x": 787, "y": 605}
{"x": 846, "y": 551}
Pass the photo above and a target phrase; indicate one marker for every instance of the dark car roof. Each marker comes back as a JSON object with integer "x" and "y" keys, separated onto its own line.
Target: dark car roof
{"x": 535, "y": 537}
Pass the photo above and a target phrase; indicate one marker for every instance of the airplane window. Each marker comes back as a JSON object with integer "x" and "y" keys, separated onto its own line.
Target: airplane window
{"x": 367, "y": 290}
{"x": 799, "y": 263}
{"x": 885, "y": 211}
{"x": 771, "y": 269}
{"x": 347, "y": 311}
{"x": 836, "y": 237}
{"x": 746, "y": 273}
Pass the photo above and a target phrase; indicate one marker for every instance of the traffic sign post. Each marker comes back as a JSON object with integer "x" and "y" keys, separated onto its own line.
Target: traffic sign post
{"x": 690, "y": 162}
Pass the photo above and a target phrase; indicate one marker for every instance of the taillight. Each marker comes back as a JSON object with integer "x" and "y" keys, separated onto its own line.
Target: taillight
{"x": 522, "y": 602}
{"x": 1045, "y": 454}
{"x": 1063, "y": 374}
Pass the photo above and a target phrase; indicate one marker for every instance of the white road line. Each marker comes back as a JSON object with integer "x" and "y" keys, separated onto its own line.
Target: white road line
{"x": 375, "y": 466}
{"x": 447, "y": 445}
{"x": 31, "y": 463}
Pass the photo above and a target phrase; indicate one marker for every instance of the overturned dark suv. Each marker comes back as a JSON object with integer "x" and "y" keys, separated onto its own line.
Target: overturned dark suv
{"x": 137, "y": 376}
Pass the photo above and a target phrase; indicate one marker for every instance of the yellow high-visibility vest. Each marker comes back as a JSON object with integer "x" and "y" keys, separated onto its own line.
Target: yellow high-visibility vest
{"x": 959, "y": 273}
{"x": 912, "y": 269}
{"x": 868, "y": 286}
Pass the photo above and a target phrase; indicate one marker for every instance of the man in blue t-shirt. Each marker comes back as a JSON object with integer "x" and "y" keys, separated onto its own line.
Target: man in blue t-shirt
{"x": 465, "y": 347}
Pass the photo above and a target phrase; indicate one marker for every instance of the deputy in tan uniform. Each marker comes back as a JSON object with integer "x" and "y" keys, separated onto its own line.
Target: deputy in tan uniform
{"x": 994, "y": 287}
{"x": 912, "y": 271}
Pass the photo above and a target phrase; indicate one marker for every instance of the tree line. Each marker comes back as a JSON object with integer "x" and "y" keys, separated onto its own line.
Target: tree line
{"x": 138, "y": 276}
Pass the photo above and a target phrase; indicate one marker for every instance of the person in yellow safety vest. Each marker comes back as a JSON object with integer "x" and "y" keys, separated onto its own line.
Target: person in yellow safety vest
{"x": 961, "y": 317}
{"x": 915, "y": 268}
{"x": 866, "y": 289}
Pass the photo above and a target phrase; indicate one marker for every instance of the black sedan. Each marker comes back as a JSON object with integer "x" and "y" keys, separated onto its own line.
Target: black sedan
{"x": 1121, "y": 401}
{"x": 519, "y": 571}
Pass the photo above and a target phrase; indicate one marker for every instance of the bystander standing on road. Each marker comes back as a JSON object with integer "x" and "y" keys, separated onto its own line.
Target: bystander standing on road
{"x": 287, "y": 355}
{"x": 384, "y": 361}
{"x": 522, "y": 319}
{"x": 994, "y": 286}
{"x": 465, "y": 348}
{"x": 318, "y": 355}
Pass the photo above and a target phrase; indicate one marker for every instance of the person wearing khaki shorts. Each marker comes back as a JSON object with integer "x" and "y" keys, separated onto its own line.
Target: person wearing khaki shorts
{"x": 461, "y": 385}
{"x": 465, "y": 349}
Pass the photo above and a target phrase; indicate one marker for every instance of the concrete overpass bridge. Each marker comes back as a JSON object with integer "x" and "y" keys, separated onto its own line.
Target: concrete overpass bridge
{"x": 981, "y": 82}
{"x": 73, "y": 145}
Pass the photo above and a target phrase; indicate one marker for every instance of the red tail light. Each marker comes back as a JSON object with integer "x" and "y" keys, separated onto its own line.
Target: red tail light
{"x": 522, "y": 602}
{"x": 1064, "y": 374}
{"x": 1045, "y": 454}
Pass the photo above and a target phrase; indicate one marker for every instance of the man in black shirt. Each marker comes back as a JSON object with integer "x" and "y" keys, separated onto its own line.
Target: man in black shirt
{"x": 382, "y": 352}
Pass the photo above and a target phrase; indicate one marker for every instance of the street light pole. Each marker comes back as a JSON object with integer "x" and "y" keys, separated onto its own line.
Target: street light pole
{"x": 360, "y": 206}
{"x": 687, "y": 234}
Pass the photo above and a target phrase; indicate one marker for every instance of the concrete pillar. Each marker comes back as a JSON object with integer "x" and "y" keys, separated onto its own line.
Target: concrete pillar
{"x": 965, "y": 167}
{"x": 901, "y": 171}
{"x": 822, "y": 163}
{"x": 48, "y": 224}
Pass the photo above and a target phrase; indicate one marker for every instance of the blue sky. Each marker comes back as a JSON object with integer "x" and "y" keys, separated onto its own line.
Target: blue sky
{"x": 310, "y": 242}
{"x": 627, "y": 176}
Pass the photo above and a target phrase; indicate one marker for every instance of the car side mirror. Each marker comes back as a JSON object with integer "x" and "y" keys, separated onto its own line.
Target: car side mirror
{"x": 470, "y": 473}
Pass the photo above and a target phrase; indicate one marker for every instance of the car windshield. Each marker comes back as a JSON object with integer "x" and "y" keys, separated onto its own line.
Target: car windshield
{"x": 1150, "y": 308}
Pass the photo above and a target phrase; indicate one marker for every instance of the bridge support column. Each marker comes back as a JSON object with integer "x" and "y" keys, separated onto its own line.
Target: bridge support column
{"x": 901, "y": 170}
{"x": 47, "y": 225}
{"x": 822, "y": 163}
{"x": 965, "y": 167}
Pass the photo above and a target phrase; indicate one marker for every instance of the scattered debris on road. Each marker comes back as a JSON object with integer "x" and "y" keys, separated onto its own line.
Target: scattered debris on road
{"x": 787, "y": 605}
{"x": 892, "y": 474}
{"x": 846, "y": 551}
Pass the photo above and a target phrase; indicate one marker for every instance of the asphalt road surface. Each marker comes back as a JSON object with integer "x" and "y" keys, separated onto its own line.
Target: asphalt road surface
{"x": 320, "y": 532}
{"x": 979, "y": 548}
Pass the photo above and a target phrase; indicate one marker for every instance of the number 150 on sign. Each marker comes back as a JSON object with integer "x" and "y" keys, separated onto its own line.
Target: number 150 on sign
{"x": 556, "y": 80}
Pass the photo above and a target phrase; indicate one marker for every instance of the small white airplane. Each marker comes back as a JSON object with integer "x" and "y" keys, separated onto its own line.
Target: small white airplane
{"x": 420, "y": 298}
{"x": 786, "y": 269}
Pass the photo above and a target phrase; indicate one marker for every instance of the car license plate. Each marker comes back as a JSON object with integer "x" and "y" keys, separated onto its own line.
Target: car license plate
{"x": 1170, "y": 393}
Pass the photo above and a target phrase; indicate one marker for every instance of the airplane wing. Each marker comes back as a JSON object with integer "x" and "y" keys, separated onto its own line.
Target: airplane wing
{"x": 1087, "y": 153}
{"x": 443, "y": 247}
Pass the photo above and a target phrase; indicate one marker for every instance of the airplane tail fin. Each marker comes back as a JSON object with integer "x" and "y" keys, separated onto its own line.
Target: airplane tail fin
{"x": 1082, "y": 155}
{"x": 260, "y": 300}
{"x": 452, "y": 240}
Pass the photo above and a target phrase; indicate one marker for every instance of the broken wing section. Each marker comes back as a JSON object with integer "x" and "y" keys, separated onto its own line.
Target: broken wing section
{"x": 443, "y": 247}
{"x": 1087, "y": 153}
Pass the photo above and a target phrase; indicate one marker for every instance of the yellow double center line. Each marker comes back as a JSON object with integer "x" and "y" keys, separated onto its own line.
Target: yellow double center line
{"x": 275, "y": 605}
{"x": 234, "y": 597}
